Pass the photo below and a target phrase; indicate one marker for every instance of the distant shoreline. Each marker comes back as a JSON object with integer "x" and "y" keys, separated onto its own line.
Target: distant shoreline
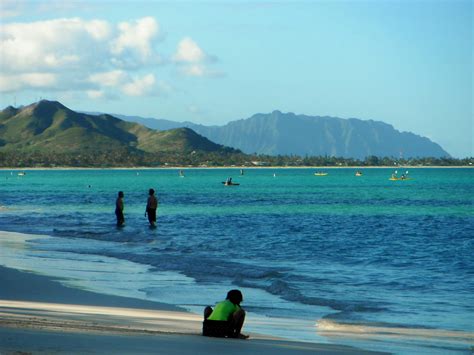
{"x": 238, "y": 167}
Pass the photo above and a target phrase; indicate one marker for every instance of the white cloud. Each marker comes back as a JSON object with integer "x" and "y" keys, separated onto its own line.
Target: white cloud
{"x": 9, "y": 83}
{"x": 95, "y": 57}
{"x": 90, "y": 55}
{"x": 99, "y": 30}
{"x": 52, "y": 45}
{"x": 192, "y": 60}
{"x": 140, "y": 86}
{"x": 136, "y": 37}
{"x": 109, "y": 78}
{"x": 188, "y": 51}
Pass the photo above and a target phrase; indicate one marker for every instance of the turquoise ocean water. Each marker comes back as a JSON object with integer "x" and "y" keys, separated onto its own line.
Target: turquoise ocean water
{"x": 386, "y": 265}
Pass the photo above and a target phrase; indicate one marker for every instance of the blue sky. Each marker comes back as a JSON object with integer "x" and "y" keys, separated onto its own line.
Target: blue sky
{"x": 407, "y": 63}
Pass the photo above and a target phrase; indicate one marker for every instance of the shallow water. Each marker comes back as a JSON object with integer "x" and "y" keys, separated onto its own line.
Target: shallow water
{"x": 327, "y": 252}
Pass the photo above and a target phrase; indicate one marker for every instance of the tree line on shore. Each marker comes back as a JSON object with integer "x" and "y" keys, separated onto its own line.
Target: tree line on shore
{"x": 124, "y": 158}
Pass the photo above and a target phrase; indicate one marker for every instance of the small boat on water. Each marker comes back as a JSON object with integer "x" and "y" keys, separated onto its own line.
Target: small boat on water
{"x": 181, "y": 173}
{"x": 21, "y": 173}
{"x": 358, "y": 173}
{"x": 229, "y": 182}
{"x": 320, "y": 173}
{"x": 395, "y": 177}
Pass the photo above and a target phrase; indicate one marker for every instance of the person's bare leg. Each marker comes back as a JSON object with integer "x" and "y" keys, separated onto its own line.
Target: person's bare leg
{"x": 238, "y": 319}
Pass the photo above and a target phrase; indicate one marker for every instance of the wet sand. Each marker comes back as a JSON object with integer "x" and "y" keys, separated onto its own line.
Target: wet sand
{"x": 38, "y": 315}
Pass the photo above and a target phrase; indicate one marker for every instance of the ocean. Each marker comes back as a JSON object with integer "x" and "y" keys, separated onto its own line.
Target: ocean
{"x": 355, "y": 260}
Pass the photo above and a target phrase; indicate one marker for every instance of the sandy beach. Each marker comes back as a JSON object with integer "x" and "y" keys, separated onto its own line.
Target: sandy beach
{"x": 40, "y": 316}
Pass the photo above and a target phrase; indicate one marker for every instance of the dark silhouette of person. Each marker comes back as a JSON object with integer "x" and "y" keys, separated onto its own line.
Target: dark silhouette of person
{"x": 119, "y": 209}
{"x": 151, "y": 207}
{"x": 227, "y": 317}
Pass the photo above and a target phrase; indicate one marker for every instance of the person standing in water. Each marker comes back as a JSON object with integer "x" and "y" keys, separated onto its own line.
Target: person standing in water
{"x": 151, "y": 207}
{"x": 119, "y": 209}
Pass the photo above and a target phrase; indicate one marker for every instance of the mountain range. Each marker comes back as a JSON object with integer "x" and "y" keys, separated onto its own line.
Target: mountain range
{"x": 278, "y": 133}
{"x": 49, "y": 126}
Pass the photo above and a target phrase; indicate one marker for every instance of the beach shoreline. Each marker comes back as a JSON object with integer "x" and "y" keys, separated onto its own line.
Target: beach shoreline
{"x": 62, "y": 168}
{"x": 36, "y": 311}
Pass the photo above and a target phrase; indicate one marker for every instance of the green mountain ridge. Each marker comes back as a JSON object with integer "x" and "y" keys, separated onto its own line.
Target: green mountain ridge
{"x": 50, "y": 127}
{"x": 48, "y": 134}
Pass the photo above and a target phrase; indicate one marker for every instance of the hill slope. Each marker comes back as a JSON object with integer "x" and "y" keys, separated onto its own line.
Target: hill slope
{"x": 49, "y": 126}
{"x": 286, "y": 133}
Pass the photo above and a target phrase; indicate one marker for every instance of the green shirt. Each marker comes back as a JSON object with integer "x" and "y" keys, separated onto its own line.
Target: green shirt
{"x": 223, "y": 310}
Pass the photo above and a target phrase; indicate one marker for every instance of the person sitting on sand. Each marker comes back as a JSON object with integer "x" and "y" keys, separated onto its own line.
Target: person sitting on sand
{"x": 227, "y": 318}
{"x": 119, "y": 209}
{"x": 151, "y": 207}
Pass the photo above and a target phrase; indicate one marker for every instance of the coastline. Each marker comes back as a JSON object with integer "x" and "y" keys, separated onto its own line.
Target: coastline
{"x": 36, "y": 312}
{"x": 236, "y": 167}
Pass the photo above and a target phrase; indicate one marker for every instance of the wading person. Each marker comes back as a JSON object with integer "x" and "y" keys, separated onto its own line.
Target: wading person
{"x": 226, "y": 319}
{"x": 151, "y": 206}
{"x": 119, "y": 209}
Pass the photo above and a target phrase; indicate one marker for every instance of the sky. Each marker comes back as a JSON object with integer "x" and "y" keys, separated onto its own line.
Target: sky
{"x": 408, "y": 63}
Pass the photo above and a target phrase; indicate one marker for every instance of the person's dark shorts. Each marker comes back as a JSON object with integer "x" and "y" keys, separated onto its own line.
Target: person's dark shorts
{"x": 217, "y": 328}
{"x": 151, "y": 214}
{"x": 120, "y": 217}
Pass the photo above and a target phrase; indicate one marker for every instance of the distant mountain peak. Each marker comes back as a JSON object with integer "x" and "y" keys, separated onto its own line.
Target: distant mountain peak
{"x": 11, "y": 110}
{"x": 46, "y": 103}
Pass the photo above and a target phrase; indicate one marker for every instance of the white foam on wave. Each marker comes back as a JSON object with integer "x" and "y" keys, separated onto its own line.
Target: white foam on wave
{"x": 96, "y": 273}
{"x": 440, "y": 340}
{"x": 329, "y": 326}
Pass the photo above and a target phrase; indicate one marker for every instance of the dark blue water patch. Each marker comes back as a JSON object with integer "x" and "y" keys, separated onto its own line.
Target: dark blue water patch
{"x": 432, "y": 242}
{"x": 310, "y": 199}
